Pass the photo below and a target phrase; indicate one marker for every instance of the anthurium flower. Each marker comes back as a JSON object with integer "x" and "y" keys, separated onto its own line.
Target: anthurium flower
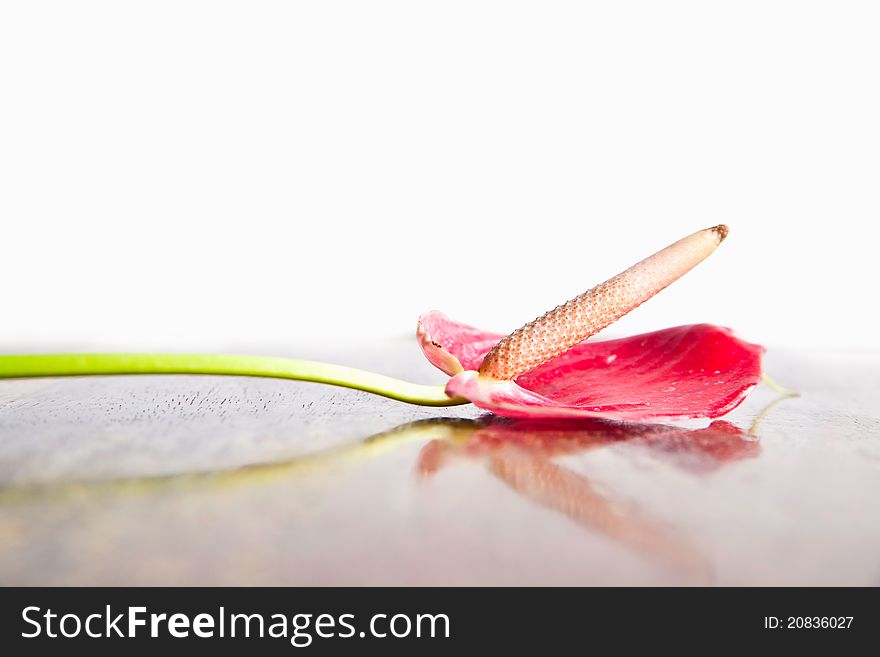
{"x": 548, "y": 369}
{"x": 544, "y": 369}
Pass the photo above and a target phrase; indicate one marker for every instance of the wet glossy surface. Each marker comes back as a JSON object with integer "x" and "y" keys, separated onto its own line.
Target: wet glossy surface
{"x": 191, "y": 480}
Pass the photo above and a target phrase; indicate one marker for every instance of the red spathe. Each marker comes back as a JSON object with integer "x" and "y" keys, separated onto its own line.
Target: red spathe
{"x": 700, "y": 370}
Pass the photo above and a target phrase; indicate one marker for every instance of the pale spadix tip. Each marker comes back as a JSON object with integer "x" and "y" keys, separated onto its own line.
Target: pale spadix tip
{"x": 567, "y": 325}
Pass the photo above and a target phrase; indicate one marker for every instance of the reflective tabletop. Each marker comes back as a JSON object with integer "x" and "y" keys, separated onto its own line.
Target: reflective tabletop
{"x": 176, "y": 480}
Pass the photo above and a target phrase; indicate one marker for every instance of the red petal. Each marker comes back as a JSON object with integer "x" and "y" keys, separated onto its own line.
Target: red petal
{"x": 684, "y": 372}
{"x": 452, "y": 346}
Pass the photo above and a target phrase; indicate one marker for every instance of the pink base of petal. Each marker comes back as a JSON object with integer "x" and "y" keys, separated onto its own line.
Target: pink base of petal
{"x": 450, "y": 346}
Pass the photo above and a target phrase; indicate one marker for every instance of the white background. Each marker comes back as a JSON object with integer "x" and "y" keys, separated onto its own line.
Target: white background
{"x": 233, "y": 175}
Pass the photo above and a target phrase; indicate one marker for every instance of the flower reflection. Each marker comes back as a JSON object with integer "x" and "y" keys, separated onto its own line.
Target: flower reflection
{"x": 521, "y": 453}
{"x": 693, "y": 449}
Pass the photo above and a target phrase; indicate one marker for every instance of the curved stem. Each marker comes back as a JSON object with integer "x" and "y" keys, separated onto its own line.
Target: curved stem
{"x": 27, "y": 366}
{"x": 778, "y": 388}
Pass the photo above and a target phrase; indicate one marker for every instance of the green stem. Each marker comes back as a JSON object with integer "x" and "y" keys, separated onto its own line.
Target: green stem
{"x": 27, "y": 366}
{"x": 778, "y": 388}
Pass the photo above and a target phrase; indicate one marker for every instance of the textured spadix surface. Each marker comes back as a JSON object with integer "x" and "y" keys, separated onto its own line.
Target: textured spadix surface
{"x": 572, "y": 322}
{"x": 692, "y": 371}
